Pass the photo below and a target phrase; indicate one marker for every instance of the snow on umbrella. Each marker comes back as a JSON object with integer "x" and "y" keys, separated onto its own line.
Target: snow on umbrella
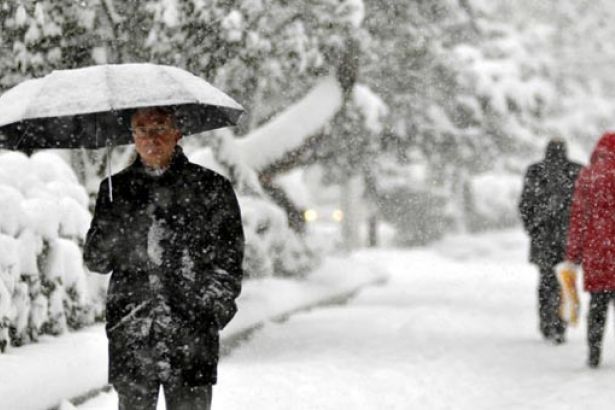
{"x": 91, "y": 107}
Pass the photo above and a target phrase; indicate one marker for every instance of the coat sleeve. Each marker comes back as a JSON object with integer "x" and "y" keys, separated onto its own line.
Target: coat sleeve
{"x": 102, "y": 235}
{"x": 579, "y": 218}
{"x": 528, "y": 202}
{"x": 224, "y": 283}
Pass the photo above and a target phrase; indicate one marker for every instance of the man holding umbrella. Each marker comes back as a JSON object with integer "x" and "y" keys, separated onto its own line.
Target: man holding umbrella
{"x": 169, "y": 230}
{"x": 172, "y": 237}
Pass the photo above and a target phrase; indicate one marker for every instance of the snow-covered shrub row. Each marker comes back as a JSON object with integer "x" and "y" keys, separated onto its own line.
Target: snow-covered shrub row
{"x": 44, "y": 287}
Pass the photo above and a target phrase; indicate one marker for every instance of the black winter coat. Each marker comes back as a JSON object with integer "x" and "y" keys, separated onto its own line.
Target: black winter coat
{"x": 192, "y": 265}
{"x": 545, "y": 206}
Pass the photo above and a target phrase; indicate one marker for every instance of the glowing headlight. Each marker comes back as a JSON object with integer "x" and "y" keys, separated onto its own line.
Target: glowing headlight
{"x": 337, "y": 215}
{"x": 310, "y": 215}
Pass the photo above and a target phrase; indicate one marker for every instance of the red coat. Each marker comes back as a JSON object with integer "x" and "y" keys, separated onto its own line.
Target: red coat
{"x": 591, "y": 235}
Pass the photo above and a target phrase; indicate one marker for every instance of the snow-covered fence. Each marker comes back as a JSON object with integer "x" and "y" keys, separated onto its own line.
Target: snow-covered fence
{"x": 44, "y": 286}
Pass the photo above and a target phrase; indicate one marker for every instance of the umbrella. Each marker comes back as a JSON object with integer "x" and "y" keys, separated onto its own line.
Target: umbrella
{"x": 91, "y": 107}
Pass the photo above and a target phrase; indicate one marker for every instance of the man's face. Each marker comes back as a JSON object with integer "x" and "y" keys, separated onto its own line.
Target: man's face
{"x": 155, "y": 136}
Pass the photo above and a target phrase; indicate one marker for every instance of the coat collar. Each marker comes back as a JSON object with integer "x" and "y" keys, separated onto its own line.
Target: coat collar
{"x": 178, "y": 162}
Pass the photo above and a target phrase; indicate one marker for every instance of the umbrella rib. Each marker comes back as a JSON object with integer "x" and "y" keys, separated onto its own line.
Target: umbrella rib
{"x": 107, "y": 88}
{"x": 107, "y": 141}
{"x": 36, "y": 95}
{"x": 196, "y": 99}
{"x": 169, "y": 75}
{"x": 26, "y": 115}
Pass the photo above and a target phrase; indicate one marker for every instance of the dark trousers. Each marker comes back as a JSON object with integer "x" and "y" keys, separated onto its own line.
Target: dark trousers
{"x": 598, "y": 307}
{"x": 144, "y": 396}
{"x": 551, "y": 325}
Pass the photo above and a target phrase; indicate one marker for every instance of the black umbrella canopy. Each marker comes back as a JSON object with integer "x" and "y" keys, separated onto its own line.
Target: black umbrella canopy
{"x": 91, "y": 107}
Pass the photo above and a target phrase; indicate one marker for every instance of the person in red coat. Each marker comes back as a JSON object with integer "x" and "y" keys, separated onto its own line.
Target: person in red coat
{"x": 591, "y": 237}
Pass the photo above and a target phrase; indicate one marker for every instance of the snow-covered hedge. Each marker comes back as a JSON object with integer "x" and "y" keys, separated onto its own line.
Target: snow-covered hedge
{"x": 44, "y": 286}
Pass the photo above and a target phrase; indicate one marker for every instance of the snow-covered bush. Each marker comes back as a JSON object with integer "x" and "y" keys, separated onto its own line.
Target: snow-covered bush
{"x": 44, "y": 286}
{"x": 494, "y": 199}
{"x": 272, "y": 247}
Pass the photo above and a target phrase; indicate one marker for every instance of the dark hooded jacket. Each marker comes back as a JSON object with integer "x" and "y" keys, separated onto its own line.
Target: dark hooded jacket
{"x": 174, "y": 244}
{"x": 545, "y": 204}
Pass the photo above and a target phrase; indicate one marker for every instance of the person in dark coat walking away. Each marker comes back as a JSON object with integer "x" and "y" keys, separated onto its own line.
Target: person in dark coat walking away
{"x": 171, "y": 236}
{"x": 591, "y": 238}
{"x": 545, "y": 209}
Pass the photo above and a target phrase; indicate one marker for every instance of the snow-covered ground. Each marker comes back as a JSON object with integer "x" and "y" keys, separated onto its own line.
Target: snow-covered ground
{"x": 454, "y": 328}
{"x": 75, "y": 363}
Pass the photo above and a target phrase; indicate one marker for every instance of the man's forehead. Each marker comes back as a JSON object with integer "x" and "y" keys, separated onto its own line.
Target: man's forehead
{"x": 151, "y": 117}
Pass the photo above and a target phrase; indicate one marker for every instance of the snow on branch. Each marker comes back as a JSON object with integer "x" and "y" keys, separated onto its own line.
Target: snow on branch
{"x": 373, "y": 108}
{"x": 290, "y": 129}
{"x": 112, "y": 13}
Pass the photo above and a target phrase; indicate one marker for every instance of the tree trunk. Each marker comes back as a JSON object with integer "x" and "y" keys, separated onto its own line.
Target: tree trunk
{"x": 458, "y": 199}
{"x": 372, "y": 231}
{"x": 351, "y": 207}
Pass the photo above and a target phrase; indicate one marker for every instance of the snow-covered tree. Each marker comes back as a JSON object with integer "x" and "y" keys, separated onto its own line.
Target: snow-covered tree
{"x": 266, "y": 53}
{"x": 473, "y": 85}
{"x": 40, "y": 36}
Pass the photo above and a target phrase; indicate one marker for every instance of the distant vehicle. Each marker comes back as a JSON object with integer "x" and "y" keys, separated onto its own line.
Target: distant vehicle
{"x": 323, "y": 214}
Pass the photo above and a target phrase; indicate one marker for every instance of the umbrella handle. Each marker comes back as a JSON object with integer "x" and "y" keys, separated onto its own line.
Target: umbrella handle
{"x": 109, "y": 170}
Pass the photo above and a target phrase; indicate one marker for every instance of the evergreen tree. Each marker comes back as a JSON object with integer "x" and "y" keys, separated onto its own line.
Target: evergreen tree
{"x": 40, "y": 36}
{"x": 467, "y": 87}
{"x": 264, "y": 52}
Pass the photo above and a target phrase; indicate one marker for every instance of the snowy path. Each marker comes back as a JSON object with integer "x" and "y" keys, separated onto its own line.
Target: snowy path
{"x": 455, "y": 328}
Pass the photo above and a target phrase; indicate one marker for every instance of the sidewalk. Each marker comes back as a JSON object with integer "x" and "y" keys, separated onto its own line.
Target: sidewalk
{"x": 40, "y": 376}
